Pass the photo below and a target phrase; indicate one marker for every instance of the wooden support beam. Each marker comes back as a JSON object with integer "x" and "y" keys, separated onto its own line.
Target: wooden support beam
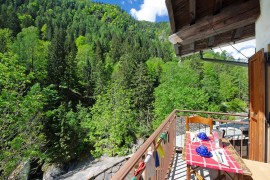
{"x": 231, "y": 17}
{"x": 211, "y": 41}
{"x": 192, "y": 11}
{"x": 218, "y": 6}
{"x": 237, "y": 33}
{"x": 174, "y": 39}
{"x": 171, "y": 15}
{"x": 222, "y": 40}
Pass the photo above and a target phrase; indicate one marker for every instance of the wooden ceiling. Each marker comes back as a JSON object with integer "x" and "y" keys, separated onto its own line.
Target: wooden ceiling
{"x": 203, "y": 24}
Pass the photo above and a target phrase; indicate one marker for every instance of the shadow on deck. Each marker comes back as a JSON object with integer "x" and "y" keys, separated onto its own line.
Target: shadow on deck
{"x": 178, "y": 170}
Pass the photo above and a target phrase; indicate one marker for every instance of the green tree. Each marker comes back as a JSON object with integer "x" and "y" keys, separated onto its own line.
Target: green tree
{"x": 142, "y": 86}
{"x": 21, "y": 112}
{"x": 112, "y": 126}
{"x": 210, "y": 81}
{"x": 32, "y": 52}
{"x": 154, "y": 66}
{"x": 85, "y": 64}
{"x": 26, "y": 20}
{"x": 5, "y": 40}
{"x": 57, "y": 63}
{"x": 64, "y": 135}
{"x": 99, "y": 73}
{"x": 179, "y": 89}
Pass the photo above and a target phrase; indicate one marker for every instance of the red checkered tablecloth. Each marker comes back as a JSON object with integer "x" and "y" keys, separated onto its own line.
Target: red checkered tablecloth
{"x": 192, "y": 158}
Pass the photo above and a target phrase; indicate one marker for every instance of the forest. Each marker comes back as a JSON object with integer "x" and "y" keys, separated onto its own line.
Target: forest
{"x": 79, "y": 77}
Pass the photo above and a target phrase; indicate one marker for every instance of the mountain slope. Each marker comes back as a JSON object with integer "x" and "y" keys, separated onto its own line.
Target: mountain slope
{"x": 82, "y": 76}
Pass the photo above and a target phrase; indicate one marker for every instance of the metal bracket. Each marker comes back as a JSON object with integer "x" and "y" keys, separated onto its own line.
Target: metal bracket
{"x": 236, "y": 63}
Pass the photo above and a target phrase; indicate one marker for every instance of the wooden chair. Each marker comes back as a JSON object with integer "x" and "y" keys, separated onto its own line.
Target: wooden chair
{"x": 200, "y": 120}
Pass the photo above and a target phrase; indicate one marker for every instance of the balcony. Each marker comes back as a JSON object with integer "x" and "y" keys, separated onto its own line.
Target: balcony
{"x": 236, "y": 127}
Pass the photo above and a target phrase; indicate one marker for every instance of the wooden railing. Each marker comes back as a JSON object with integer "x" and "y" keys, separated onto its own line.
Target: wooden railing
{"x": 177, "y": 120}
{"x": 169, "y": 127}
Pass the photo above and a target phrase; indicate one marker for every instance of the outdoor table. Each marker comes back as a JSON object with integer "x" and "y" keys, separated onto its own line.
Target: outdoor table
{"x": 236, "y": 164}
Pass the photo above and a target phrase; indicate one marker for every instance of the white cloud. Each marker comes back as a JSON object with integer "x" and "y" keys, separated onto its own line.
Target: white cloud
{"x": 123, "y": 2}
{"x": 149, "y": 10}
{"x": 247, "y": 48}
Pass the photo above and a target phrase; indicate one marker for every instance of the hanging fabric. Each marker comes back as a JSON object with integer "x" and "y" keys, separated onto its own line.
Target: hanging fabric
{"x": 140, "y": 168}
{"x": 163, "y": 136}
{"x": 147, "y": 168}
{"x": 150, "y": 169}
{"x": 160, "y": 150}
{"x": 156, "y": 159}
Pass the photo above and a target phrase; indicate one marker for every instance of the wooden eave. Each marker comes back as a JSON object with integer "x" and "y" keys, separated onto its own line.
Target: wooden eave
{"x": 203, "y": 24}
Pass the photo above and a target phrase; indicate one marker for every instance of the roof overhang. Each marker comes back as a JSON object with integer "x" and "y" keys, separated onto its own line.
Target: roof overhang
{"x": 204, "y": 24}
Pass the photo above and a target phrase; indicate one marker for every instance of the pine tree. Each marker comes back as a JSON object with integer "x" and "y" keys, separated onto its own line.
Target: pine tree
{"x": 57, "y": 59}
{"x": 142, "y": 86}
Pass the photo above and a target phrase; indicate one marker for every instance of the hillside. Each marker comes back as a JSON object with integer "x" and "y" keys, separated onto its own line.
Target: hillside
{"x": 79, "y": 77}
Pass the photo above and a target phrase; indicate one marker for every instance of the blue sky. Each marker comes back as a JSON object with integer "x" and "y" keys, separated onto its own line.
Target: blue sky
{"x": 148, "y": 10}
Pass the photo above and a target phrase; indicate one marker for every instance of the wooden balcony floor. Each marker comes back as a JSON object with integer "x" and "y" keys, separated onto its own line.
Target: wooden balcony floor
{"x": 179, "y": 169}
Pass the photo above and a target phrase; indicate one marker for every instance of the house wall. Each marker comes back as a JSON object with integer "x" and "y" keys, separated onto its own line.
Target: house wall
{"x": 262, "y": 30}
{"x": 262, "y": 27}
{"x": 268, "y": 113}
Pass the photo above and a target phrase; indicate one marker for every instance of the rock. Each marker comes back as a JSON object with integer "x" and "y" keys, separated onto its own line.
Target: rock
{"x": 53, "y": 171}
{"x": 21, "y": 172}
{"x": 100, "y": 177}
{"x": 84, "y": 160}
{"x": 99, "y": 169}
{"x": 134, "y": 148}
{"x": 138, "y": 144}
{"x": 116, "y": 168}
{"x": 108, "y": 175}
{"x": 109, "y": 170}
